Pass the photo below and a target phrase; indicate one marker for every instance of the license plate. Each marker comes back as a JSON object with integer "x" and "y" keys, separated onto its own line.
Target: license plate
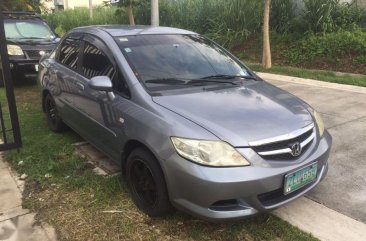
{"x": 36, "y": 67}
{"x": 300, "y": 178}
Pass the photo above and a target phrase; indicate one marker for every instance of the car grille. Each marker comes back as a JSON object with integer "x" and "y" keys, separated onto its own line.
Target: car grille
{"x": 34, "y": 54}
{"x": 282, "y": 147}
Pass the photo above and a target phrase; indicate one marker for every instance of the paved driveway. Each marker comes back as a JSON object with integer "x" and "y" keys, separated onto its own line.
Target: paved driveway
{"x": 344, "y": 114}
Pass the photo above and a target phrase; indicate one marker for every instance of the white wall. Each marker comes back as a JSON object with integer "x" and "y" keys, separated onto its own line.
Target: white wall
{"x": 81, "y": 3}
{"x": 71, "y": 3}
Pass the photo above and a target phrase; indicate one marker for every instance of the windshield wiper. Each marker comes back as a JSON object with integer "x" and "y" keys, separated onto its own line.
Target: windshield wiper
{"x": 226, "y": 76}
{"x": 199, "y": 81}
{"x": 169, "y": 81}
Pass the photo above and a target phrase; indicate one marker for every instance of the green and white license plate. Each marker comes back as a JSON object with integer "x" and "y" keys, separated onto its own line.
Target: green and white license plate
{"x": 300, "y": 178}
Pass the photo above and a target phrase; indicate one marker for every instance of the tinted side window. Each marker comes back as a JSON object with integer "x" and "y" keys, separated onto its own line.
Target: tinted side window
{"x": 69, "y": 52}
{"x": 96, "y": 63}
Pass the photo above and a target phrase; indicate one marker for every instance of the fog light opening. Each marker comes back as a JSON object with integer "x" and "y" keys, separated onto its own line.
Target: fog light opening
{"x": 228, "y": 205}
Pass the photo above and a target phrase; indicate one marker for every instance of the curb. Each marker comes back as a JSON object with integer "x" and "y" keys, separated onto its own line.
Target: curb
{"x": 322, "y": 222}
{"x": 312, "y": 82}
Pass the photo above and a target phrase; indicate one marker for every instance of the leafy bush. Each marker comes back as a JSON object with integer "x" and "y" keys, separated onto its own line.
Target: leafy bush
{"x": 228, "y": 22}
{"x": 360, "y": 59}
{"x": 337, "y": 44}
{"x": 347, "y": 15}
{"x": 330, "y": 15}
{"x": 283, "y": 14}
{"x": 66, "y": 20}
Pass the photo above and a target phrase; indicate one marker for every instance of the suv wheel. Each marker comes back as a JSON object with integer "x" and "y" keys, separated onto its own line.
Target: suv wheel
{"x": 54, "y": 120}
{"x": 146, "y": 182}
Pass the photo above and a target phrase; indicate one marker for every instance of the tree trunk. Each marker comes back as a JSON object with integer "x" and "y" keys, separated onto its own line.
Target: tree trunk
{"x": 130, "y": 14}
{"x": 267, "y": 59}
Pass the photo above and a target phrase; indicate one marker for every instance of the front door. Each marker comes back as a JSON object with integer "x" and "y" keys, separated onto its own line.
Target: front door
{"x": 100, "y": 123}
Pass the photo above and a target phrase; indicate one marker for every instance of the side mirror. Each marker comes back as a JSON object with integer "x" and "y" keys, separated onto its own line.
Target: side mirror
{"x": 102, "y": 83}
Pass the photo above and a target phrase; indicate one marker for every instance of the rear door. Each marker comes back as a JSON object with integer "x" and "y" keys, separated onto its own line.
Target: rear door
{"x": 62, "y": 74}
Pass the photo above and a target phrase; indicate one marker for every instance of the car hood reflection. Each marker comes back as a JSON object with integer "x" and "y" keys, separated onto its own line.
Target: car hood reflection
{"x": 242, "y": 114}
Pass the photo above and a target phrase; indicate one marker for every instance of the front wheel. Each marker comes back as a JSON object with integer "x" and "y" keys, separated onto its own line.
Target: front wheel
{"x": 54, "y": 120}
{"x": 146, "y": 182}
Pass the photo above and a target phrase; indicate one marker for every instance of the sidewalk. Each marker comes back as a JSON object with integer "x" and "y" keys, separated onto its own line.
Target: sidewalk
{"x": 335, "y": 209}
{"x": 16, "y": 223}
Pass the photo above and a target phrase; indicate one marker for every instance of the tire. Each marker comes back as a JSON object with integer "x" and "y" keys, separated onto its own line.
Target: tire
{"x": 146, "y": 182}
{"x": 53, "y": 119}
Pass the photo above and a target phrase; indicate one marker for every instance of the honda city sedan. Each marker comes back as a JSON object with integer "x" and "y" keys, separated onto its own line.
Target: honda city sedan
{"x": 190, "y": 125}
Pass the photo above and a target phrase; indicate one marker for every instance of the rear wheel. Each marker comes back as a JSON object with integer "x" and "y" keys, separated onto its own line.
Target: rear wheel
{"x": 146, "y": 182}
{"x": 54, "y": 120}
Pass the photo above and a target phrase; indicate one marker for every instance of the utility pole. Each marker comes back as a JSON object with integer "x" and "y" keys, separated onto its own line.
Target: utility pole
{"x": 155, "y": 12}
{"x": 91, "y": 9}
{"x": 66, "y": 4}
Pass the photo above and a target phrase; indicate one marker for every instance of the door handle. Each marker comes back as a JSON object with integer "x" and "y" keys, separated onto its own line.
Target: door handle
{"x": 80, "y": 86}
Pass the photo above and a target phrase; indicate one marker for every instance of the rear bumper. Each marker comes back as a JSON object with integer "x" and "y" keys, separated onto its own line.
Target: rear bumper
{"x": 233, "y": 193}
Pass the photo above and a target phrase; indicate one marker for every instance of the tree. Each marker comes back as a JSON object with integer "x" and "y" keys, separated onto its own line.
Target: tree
{"x": 267, "y": 59}
{"x": 129, "y": 4}
{"x": 21, "y": 5}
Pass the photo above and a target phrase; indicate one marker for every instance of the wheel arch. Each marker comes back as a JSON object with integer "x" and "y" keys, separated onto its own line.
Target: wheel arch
{"x": 129, "y": 147}
{"x": 45, "y": 92}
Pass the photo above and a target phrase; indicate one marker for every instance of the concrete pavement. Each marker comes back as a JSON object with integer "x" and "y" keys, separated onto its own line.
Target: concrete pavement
{"x": 343, "y": 109}
{"x": 16, "y": 223}
{"x": 322, "y": 222}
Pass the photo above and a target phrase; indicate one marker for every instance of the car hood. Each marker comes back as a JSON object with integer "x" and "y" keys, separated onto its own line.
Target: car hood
{"x": 42, "y": 44}
{"x": 252, "y": 112}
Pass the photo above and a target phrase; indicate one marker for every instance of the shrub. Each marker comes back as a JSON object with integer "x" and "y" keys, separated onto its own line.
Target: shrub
{"x": 283, "y": 13}
{"x": 337, "y": 44}
{"x": 66, "y": 20}
{"x": 330, "y": 15}
{"x": 228, "y": 22}
{"x": 360, "y": 59}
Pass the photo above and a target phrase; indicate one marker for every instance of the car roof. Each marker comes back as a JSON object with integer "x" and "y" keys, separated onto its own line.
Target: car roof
{"x": 20, "y": 15}
{"x": 126, "y": 30}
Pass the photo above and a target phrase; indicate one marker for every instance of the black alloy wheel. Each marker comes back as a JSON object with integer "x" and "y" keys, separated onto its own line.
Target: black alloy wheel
{"x": 54, "y": 121}
{"x": 147, "y": 183}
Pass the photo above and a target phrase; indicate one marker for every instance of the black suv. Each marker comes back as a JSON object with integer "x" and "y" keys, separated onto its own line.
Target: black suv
{"x": 28, "y": 38}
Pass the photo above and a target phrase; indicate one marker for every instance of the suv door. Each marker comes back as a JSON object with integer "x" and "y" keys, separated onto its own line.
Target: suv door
{"x": 62, "y": 77}
{"x": 100, "y": 123}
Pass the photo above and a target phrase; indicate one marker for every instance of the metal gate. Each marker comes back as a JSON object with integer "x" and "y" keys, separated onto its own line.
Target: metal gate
{"x": 9, "y": 124}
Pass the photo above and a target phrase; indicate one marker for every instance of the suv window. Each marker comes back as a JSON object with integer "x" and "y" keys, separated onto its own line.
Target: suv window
{"x": 96, "y": 63}
{"x": 69, "y": 52}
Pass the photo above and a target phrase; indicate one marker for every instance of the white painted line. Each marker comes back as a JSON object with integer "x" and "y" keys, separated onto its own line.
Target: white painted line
{"x": 312, "y": 82}
{"x": 322, "y": 222}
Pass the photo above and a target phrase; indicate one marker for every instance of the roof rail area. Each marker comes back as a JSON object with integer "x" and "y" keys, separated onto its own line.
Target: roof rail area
{"x": 18, "y": 14}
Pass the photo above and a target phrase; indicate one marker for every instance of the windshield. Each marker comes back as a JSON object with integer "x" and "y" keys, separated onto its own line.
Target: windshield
{"x": 177, "y": 59}
{"x": 27, "y": 29}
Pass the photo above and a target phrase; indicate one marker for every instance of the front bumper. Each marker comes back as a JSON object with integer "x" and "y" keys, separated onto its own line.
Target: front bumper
{"x": 25, "y": 67}
{"x": 232, "y": 193}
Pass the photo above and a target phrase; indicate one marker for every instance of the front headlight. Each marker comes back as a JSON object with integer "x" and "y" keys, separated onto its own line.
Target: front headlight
{"x": 319, "y": 122}
{"x": 210, "y": 153}
{"x": 14, "y": 50}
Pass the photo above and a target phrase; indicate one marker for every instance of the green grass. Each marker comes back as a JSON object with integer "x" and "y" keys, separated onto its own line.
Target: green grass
{"x": 328, "y": 76}
{"x": 73, "y": 198}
